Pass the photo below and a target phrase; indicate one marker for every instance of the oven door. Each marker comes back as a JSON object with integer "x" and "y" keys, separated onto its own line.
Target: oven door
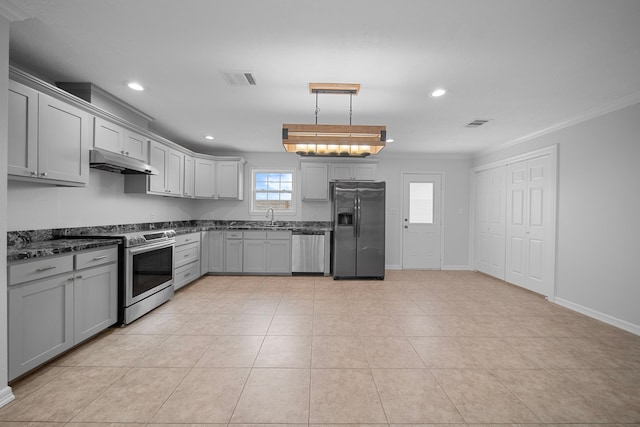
{"x": 148, "y": 269}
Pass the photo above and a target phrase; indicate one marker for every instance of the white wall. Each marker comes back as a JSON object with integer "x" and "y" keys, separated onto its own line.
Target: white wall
{"x": 103, "y": 202}
{"x": 598, "y": 227}
{"x": 390, "y": 168}
{"x": 5, "y": 392}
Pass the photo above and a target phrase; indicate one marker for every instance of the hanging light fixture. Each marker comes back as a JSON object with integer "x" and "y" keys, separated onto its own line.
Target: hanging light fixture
{"x": 333, "y": 140}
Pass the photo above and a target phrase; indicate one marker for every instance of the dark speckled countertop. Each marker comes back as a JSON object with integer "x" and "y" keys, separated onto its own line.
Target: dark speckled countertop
{"x": 44, "y": 248}
{"x": 28, "y": 244}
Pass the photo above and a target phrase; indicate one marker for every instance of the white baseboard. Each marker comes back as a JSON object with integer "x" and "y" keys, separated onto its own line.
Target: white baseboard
{"x": 613, "y": 321}
{"x": 6, "y": 396}
{"x": 393, "y": 267}
{"x": 456, "y": 267}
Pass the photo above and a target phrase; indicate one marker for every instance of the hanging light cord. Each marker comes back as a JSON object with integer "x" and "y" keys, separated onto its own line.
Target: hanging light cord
{"x": 350, "y": 107}
{"x": 317, "y": 109}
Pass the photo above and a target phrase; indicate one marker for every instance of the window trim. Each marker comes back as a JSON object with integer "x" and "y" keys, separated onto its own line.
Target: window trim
{"x": 294, "y": 193}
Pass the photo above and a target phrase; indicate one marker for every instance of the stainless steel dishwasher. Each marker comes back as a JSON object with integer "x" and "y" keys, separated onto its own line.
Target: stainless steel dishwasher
{"x": 308, "y": 252}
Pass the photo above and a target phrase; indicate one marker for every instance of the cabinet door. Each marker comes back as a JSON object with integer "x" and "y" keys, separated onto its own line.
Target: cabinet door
{"x": 40, "y": 319}
{"x": 279, "y": 257}
{"x": 254, "y": 256}
{"x": 365, "y": 172}
{"x": 136, "y": 145}
{"x": 158, "y": 154}
{"x": 95, "y": 300}
{"x": 175, "y": 174}
{"x": 23, "y": 130}
{"x": 204, "y": 178}
{"x": 216, "y": 252}
{"x": 227, "y": 179}
{"x": 108, "y": 136}
{"x": 233, "y": 256}
{"x": 63, "y": 141}
{"x": 188, "y": 176}
{"x": 315, "y": 181}
{"x": 340, "y": 172}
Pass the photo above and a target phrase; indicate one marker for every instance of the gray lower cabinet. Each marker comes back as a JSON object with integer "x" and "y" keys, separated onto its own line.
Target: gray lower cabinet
{"x": 95, "y": 301}
{"x": 187, "y": 259}
{"x": 233, "y": 249}
{"x": 40, "y": 322}
{"x": 55, "y": 303}
{"x": 267, "y": 252}
{"x": 216, "y": 245}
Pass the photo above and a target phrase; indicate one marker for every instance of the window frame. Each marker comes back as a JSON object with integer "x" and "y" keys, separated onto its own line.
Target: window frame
{"x": 258, "y": 211}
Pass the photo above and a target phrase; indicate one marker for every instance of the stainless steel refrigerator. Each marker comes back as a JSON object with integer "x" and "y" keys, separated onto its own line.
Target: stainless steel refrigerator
{"x": 358, "y": 234}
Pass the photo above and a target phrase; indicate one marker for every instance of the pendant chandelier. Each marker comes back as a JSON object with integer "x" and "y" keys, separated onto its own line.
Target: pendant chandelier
{"x": 333, "y": 140}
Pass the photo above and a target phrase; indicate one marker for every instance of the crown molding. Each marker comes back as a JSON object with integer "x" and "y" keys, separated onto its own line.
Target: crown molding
{"x": 13, "y": 13}
{"x": 609, "y": 107}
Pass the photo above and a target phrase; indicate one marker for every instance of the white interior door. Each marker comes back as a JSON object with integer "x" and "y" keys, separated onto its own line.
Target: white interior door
{"x": 530, "y": 255}
{"x": 422, "y": 222}
{"x": 490, "y": 244}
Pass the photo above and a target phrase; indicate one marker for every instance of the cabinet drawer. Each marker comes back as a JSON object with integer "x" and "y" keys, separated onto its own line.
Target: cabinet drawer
{"x": 233, "y": 234}
{"x": 184, "y": 239}
{"x": 187, "y": 254}
{"x": 255, "y": 235}
{"x": 94, "y": 258}
{"x": 278, "y": 235}
{"x": 34, "y": 270}
{"x": 186, "y": 274}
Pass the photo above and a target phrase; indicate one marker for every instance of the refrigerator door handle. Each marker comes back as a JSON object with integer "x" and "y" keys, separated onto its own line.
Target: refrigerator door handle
{"x": 358, "y": 216}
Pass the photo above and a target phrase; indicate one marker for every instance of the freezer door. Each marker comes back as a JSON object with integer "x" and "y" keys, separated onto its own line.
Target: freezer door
{"x": 344, "y": 234}
{"x": 370, "y": 225}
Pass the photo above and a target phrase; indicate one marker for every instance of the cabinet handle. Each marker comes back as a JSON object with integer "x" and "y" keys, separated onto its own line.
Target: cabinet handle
{"x": 41, "y": 269}
{"x": 79, "y": 276}
{"x": 121, "y": 151}
{"x": 96, "y": 258}
{"x": 127, "y": 153}
{"x": 43, "y": 174}
{"x": 187, "y": 274}
{"x": 70, "y": 279}
{"x": 34, "y": 173}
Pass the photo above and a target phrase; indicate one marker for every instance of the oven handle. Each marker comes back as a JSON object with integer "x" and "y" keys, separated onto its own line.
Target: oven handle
{"x": 151, "y": 247}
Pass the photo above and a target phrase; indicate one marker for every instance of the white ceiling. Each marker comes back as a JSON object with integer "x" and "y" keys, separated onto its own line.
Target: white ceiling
{"x": 527, "y": 65}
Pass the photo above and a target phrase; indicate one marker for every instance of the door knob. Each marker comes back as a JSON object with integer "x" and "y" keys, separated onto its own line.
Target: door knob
{"x": 406, "y": 226}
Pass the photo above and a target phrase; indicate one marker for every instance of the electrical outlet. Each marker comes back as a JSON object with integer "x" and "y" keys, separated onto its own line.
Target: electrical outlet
{"x": 152, "y": 217}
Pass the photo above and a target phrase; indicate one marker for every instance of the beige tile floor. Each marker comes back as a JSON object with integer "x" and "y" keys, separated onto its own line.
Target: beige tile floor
{"x": 431, "y": 347}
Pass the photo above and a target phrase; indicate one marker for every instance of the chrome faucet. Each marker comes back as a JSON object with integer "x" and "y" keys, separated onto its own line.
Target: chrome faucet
{"x": 272, "y": 215}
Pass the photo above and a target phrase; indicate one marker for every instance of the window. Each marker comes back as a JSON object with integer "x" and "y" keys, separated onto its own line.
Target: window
{"x": 421, "y": 202}
{"x": 272, "y": 189}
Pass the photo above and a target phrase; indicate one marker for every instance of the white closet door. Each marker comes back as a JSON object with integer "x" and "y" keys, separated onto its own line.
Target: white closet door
{"x": 491, "y": 195}
{"x": 531, "y": 224}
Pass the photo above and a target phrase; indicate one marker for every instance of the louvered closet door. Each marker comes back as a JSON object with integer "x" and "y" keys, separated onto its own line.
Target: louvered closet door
{"x": 491, "y": 195}
{"x": 531, "y": 225}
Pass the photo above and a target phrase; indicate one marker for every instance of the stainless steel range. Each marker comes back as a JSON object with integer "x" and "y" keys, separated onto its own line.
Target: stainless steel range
{"x": 146, "y": 266}
{"x": 148, "y": 262}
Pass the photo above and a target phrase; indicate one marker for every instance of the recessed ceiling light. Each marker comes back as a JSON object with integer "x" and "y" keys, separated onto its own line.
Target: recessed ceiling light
{"x": 209, "y": 137}
{"x": 438, "y": 92}
{"x": 135, "y": 86}
{"x": 389, "y": 140}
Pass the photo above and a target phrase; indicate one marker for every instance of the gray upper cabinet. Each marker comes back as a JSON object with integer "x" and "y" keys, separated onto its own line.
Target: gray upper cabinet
{"x": 170, "y": 178}
{"x": 219, "y": 179}
{"x": 353, "y": 171}
{"x": 112, "y": 137}
{"x": 315, "y": 181}
{"x": 49, "y": 139}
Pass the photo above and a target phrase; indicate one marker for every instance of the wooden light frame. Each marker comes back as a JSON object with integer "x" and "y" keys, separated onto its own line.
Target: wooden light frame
{"x": 333, "y": 140}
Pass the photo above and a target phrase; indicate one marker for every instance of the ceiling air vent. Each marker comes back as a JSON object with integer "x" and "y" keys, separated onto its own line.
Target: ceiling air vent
{"x": 239, "y": 78}
{"x": 476, "y": 123}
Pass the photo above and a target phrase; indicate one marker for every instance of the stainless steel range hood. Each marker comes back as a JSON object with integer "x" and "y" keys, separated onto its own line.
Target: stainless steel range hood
{"x": 112, "y": 162}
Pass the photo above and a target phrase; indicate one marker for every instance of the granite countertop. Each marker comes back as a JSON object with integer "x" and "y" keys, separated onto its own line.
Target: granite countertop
{"x": 26, "y": 244}
{"x": 45, "y": 248}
